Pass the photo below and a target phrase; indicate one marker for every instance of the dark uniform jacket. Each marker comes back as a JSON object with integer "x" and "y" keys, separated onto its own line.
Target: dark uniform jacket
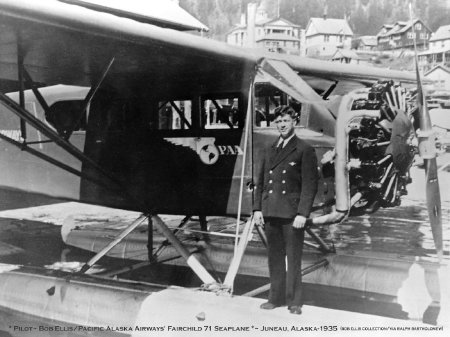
{"x": 287, "y": 182}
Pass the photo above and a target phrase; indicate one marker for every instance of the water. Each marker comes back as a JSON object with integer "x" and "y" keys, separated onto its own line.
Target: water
{"x": 403, "y": 231}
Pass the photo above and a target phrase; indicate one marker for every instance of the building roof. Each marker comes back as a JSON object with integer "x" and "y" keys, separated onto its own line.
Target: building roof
{"x": 387, "y": 27}
{"x": 330, "y": 26}
{"x": 270, "y": 21}
{"x": 278, "y": 37}
{"x": 263, "y": 22}
{"x": 435, "y": 51}
{"x": 439, "y": 66}
{"x": 163, "y": 13}
{"x": 400, "y": 27}
{"x": 369, "y": 40}
{"x": 442, "y": 33}
{"x": 345, "y": 53}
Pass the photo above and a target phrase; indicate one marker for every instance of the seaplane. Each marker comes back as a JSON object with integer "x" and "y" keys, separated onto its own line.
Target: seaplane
{"x": 116, "y": 112}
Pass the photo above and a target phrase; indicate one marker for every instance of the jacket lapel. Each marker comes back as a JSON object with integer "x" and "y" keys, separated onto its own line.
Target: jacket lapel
{"x": 273, "y": 153}
{"x": 288, "y": 148}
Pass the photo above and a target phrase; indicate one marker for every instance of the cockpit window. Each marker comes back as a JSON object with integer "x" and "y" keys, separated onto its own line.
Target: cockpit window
{"x": 267, "y": 99}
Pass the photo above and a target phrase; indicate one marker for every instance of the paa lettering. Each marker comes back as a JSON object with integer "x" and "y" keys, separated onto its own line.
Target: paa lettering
{"x": 229, "y": 150}
{"x": 13, "y": 134}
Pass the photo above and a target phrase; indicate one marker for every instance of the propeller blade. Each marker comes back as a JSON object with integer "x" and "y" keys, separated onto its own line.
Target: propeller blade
{"x": 434, "y": 204}
{"x": 427, "y": 150}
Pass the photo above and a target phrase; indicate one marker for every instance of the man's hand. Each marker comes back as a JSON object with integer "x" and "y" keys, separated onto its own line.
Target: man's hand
{"x": 258, "y": 218}
{"x": 299, "y": 221}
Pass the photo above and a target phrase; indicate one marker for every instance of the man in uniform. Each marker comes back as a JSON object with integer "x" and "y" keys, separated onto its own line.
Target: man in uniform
{"x": 285, "y": 191}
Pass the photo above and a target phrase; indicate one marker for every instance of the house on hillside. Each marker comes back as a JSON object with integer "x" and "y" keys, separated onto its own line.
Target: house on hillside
{"x": 324, "y": 35}
{"x": 432, "y": 58}
{"x": 275, "y": 35}
{"x": 439, "y": 50}
{"x": 400, "y": 36}
{"x": 350, "y": 57}
{"x": 440, "y": 76}
{"x": 365, "y": 43}
{"x": 440, "y": 39}
{"x": 344, "y": 56}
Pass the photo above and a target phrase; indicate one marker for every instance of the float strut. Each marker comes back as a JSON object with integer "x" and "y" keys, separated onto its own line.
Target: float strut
{"x": 261, "y": 233}
{"x": 192, "y": 262}
{"x": 150, "y": 239}
{"x": 204, "y": 227}
{"x": 323, "y": 246}
{"x": 166, "y": 242}
{"x": 112, "y": 244}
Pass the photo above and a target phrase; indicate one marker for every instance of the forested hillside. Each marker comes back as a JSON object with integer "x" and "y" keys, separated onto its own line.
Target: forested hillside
{"x": 364, "y": 16}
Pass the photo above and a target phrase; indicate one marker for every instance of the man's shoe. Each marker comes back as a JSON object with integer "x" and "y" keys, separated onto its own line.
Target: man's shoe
{"x": 295, "y": 309}
{"x": 268, "y": 306}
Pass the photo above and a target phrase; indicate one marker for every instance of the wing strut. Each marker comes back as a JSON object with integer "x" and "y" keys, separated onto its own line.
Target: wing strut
{"x": 279, "y": 74}
{"x": 88, "y": 98}
{"x": 20, "y": 75}
{"x": 330, "y": 90}
{"x": 239, "y": 249}
{"x": 35, "y": 89}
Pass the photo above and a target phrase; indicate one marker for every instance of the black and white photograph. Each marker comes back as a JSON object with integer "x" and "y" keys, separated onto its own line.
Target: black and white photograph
{"x": 224, "y": 168}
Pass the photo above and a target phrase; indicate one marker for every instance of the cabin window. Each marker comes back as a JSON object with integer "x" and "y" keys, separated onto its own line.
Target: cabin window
{"x": 67, "y": 116}
{"x": 174, "y": 115}
{"x": 223, "y": 111}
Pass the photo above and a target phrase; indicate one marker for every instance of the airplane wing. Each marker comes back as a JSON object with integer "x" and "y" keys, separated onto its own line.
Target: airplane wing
{"x": 64, "y": 43}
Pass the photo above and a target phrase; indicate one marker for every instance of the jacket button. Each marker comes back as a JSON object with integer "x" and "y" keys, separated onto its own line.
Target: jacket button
{"x": 284, "y": 192}
{"x": 283, "y": 182}
{"x": 284, "y": 171}
{"x": 270, "y": 191}
{"x": 270, "y": 181}
{"x": 270, "y": 172}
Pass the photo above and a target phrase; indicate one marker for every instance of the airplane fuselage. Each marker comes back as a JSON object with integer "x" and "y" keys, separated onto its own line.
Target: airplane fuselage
{"x": 174, "y": 171}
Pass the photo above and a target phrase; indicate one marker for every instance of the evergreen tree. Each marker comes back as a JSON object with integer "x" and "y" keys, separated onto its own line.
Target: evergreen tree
{"x": 365, "y": 16}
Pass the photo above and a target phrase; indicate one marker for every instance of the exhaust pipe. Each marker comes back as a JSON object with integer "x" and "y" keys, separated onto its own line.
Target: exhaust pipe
{"x": 342, "y": 184}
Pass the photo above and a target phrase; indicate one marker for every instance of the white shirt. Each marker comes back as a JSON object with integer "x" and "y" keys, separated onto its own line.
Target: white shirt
{"x": 285, "y": 140}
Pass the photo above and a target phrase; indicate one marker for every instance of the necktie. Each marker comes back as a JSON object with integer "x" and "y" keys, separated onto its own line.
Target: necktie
{"x": 280, "y": 146}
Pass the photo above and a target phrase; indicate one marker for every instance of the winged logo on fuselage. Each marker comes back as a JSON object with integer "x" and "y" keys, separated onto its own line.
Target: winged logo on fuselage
{"x": 205, "y": 147}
